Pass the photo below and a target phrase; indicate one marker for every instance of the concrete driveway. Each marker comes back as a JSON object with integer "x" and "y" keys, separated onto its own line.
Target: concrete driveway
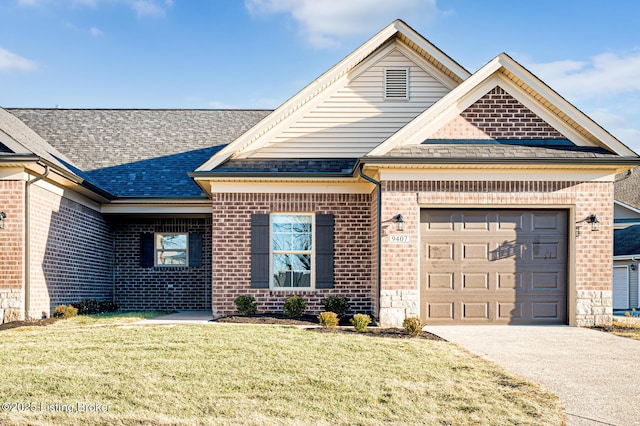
{"x": 595, "y": 374}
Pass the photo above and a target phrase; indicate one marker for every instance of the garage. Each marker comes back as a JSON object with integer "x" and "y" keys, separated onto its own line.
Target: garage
{"x": 481, "y": 266}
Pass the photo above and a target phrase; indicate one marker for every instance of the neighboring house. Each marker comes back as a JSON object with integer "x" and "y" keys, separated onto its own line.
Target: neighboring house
{"x": 626, "y": 240}
{"x": 396, "y": 179}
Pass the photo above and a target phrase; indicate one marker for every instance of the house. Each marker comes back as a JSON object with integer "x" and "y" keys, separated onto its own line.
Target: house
{"x": 397, "y": 179}
{"x": 626, "y": 240}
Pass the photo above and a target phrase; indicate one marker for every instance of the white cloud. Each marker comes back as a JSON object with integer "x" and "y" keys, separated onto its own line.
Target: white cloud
{"x": 325, "y": 24}
{"x": 148, "y": 8}
{"x": 604, "y": 75}
{"x": 9, "y": 61}
{"x": 142, "y": 8}
{"x": 96, "y": 32}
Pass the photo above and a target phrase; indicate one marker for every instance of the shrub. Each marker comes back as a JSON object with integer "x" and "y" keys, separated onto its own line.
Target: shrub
{"x": 328, "y": 319}
{"x": 92, "y": 306}
{"x": 294, "y": 307}
{"x": 413, "y": 326}
{"x": 360, "y": 322}
{"x": 246, "y": 305}
{"x": 338, "y": 305}
{"x": 64, "y": 311}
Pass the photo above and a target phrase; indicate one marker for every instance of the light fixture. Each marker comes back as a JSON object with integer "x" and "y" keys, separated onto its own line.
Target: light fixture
{"x": 3, "y": 216}
{"x": 399, "y": 222}
{"x": 593, "y": 220}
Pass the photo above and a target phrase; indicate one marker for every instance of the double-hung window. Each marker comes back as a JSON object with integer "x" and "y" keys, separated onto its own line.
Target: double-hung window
{"x": 292, "y": 251}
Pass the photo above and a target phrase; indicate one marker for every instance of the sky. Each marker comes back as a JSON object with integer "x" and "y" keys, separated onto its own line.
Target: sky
{"x": 256, "y": 54}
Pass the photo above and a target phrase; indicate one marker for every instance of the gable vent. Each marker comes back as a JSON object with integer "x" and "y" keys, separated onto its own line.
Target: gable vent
{"x": 396, "y": 83}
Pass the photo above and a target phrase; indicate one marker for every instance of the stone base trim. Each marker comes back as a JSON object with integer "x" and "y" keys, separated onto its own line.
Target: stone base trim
{"x": 396, "y": 305}
{"x": 594, "y": 307}
{"x": 10, "y": 305}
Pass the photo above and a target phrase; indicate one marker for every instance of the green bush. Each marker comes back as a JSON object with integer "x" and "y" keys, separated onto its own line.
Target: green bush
{"x": 64, "y": 311}
{"x": 92, "y": 306}
{"x": 413, "y": 326}
{"x": 360, "y": 322}
{"x": 294, "y": 307}
{"x": 339, "y": 305}
{"x": 328, "y": 319}
{"x": 246, "y": 305}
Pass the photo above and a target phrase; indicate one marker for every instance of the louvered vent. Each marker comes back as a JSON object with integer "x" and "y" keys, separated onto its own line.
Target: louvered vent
{"x": 396, "y": 83}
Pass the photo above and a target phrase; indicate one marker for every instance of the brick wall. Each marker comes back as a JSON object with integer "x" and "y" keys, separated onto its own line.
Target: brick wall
{"x": 497, "y": 115}
{"x": 232, "y": 246}
{"x": 11, "y": 250}
{"x": 593, "y": 264}
{"x": 163, "y": 288}
{"x": 71, "y": 253}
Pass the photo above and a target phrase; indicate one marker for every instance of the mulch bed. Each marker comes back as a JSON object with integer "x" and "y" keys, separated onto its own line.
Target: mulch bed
{"x": 397, "y": 333}
{"x": 312, "y": 320}
{"x": 32, "y": 323}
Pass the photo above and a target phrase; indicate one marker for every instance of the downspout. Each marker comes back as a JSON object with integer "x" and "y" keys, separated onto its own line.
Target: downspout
{"x": 27, "y": 238}
{"x": 379, "y": 225}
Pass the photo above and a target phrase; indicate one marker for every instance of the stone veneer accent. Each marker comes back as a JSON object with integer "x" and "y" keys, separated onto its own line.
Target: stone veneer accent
{"x": 593, "y": 266}
{"x": 71, "y": 253}
{"x": 12, "y": 250}
{"x": 232, "y": 247}
{"x": 161, "y": 288}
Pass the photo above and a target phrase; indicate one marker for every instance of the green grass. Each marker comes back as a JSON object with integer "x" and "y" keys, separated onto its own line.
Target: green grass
{"x": 208, "y": 374}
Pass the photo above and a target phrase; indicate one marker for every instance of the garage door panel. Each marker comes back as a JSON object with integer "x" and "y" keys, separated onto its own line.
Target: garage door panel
{"x": 500, "y": 266}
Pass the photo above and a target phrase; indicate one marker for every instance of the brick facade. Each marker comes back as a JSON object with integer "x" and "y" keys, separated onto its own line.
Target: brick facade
{"x": 593, "y": 265}
{"x": 71, "y": 253}
{"x": 232, "y": 246}
{"x": 12, "y": 250}
{"x": 163, "y": 288}
{"x": 497, "y": 115}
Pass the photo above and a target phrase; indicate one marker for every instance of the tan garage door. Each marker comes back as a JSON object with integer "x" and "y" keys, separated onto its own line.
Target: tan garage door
{"x": 493, "y": 266}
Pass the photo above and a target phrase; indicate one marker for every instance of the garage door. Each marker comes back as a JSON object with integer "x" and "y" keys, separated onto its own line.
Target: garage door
{"x": 493, "y": 266}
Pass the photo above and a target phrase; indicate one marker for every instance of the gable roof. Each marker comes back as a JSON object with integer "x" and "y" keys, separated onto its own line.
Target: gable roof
{"x": 140, "y": 153}
{"x": 527, "y": 89}
{"x": 291, "y": 108}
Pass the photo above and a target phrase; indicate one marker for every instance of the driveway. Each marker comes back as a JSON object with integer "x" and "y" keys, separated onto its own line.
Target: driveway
{"x": 596, "y": 375}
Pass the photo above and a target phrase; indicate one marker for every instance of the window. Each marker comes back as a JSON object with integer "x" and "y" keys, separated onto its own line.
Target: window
{"x": 291, "y": 251}
{"x": 171, "y": 249}
{"x": 396, "y": 83}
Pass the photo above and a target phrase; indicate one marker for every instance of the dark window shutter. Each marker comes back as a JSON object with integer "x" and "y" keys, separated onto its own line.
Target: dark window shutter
{"x": 195, "y": 249}
{"x": 324, "y": 251}
{"x": 260, "y": 250}
{"x": 146, "y": 250}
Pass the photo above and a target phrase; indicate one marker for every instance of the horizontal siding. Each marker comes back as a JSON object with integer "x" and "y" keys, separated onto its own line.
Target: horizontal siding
{"x": 356, "y": 118}
{"x": 633, "y": 289}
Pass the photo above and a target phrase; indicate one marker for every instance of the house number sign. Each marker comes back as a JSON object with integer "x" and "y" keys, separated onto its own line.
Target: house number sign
{"x": 399, "y": 239}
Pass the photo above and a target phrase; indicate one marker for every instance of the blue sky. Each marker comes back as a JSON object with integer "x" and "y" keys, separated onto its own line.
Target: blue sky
{"x": 258, "y": 53}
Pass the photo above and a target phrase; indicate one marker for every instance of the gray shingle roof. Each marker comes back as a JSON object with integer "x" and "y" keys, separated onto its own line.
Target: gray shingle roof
{"x": 498, "y": 151}
{"x": 140, "y": 152}
{"x": 31, "y": 141}
{"x": 626, "y": 241}
{"x": 627, "y": 187}
{"x": 328, "y": 165}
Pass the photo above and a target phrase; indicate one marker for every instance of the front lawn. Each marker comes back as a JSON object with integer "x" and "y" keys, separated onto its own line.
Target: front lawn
{"x": 235, "y": 374}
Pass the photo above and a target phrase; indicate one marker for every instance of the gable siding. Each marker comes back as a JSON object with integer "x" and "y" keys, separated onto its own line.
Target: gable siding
{"x": 497, "y": 115}
{"x": 356, "y": 118}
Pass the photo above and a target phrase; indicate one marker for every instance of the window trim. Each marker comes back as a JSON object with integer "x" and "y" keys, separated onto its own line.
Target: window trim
{"x": 407, "y": 80}
{"x": 312, "y": 279}
{"x": 156, "y": 250}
